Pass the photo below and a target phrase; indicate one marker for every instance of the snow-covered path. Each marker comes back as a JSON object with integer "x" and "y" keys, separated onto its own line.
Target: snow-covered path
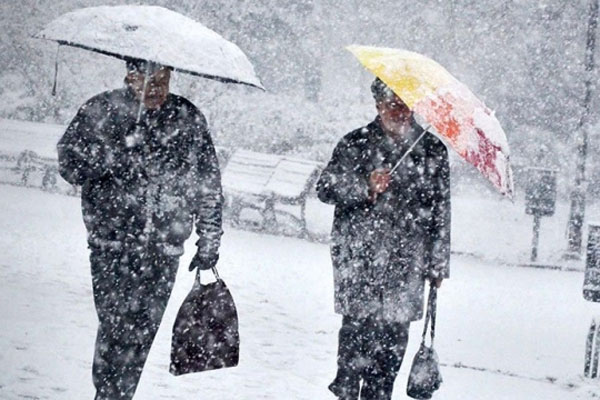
{"x": 528, "y": 322}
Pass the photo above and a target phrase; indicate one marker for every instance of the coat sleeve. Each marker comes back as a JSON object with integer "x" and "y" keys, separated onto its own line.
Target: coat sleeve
{"x": 439, "y": 228}
{"x": 81, "y": 150}
{"x": 341, "y": 182}
{"x": 209, "y": 202}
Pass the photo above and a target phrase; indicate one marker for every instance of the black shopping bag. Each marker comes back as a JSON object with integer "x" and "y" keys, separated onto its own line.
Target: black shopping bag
{"x": 425, "y": 376}
{"x": 205, "y": 333}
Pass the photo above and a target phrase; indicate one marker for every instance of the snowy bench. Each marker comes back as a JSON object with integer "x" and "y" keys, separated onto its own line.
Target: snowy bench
{"x": 270, "y": 184}
{"x": 32, "y": 170}
{"x": 28, "y": 155}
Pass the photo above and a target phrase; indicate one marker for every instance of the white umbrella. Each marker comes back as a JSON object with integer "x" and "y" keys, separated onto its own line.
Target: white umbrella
{"x": 153, "y": 34}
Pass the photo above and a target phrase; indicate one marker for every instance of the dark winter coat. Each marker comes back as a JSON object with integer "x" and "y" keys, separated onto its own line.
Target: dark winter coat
{"x": 144, "y": 183}
{"x": 383, "y": 251}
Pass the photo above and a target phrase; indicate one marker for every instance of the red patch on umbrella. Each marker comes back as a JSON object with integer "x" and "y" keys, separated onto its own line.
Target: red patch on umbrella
{"x": 484, "y": 159}
{"x": 452, "y": 118}
{"x": 440, "y": 113}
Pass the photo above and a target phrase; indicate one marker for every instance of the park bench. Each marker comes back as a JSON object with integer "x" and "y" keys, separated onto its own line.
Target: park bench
{"x": 32, "y": 170}
{"x": 270, "y": 184}
{"x": 28, "y": 155}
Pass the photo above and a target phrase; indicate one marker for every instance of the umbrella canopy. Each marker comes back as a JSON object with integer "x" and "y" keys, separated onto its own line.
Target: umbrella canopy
{"x": 456, "y": 115}
{"x": 153, "y": 34}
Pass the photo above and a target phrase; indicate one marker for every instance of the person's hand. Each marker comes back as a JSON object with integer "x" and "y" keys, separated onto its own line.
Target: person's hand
{"x": 379, "y": 180}
{"x": 204, "y": 261}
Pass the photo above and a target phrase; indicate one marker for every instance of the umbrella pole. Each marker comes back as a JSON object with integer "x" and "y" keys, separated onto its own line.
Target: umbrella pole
{"x": 139, "y": 114}
{"x": 412, "y": 146}
{"x": 136, "y": 132}
{"x": 149, "y": 199}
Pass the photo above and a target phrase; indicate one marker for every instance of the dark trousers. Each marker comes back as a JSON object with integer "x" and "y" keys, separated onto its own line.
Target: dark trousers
{"x": 131, "y": 291}
{"x": 370, "y": 353}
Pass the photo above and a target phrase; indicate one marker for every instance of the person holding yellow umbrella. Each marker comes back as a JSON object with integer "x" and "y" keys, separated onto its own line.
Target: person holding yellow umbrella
{"x": 390, "y": 184}
{"x": 391, "y": 233}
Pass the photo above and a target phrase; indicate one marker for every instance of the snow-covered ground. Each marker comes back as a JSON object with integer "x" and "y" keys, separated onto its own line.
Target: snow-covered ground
{"x": 503, "y": 332}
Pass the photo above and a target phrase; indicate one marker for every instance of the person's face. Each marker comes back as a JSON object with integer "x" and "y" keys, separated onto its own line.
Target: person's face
{"x": 157, "y": 87}
{"x": 395, "y": 115}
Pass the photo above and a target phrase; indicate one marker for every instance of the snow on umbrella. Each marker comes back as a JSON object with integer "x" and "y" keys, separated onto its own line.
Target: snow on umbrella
{"x": 456, "y": 115}
{"x": 154, "y": 34}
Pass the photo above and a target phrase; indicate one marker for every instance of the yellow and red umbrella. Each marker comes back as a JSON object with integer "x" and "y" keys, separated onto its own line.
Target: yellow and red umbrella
{"x": 456, "y": 115}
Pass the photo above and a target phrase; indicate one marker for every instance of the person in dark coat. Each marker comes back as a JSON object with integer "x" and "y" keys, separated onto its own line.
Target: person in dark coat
{"x": 148, "y": 171}
{"x": 391, "y": 234}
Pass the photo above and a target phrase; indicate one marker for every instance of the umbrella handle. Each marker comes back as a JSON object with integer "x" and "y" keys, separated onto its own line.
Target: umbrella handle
{"x": 412, "y": 146}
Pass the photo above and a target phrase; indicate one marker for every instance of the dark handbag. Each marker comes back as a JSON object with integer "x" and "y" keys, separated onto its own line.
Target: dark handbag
{"x": 425, "y": 376}
{"x": 205, "y": 333}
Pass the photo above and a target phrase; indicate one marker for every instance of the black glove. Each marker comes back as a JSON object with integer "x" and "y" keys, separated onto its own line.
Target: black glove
{"x": 203, "y": 262}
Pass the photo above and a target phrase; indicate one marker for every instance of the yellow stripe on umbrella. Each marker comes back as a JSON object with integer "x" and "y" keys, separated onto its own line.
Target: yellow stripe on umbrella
{"x": 457, "y": 116}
